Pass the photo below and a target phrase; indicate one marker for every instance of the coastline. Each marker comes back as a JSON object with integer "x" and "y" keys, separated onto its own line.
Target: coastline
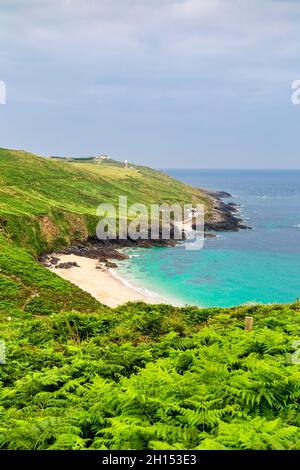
{"x": 101, "y": 282}
{"x": 92, "y": 264}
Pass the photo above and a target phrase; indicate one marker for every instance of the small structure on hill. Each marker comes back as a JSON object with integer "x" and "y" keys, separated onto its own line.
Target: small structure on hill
{"x": 126, "y": 164}
{"x": 102, "y": 157}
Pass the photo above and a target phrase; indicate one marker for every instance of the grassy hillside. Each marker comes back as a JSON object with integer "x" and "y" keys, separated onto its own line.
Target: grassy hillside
{"x": 79, "y": 375}
{"x": 46, "y": 203}
{"x": 28, "y": 288}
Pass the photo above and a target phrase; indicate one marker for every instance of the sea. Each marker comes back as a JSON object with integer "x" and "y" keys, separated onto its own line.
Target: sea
{"x": 261, "y": 265}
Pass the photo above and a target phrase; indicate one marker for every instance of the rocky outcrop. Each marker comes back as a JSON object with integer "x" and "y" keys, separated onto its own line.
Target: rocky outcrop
{"x": 49, "y": 261}
{"x": 111, "y": 264}
{"x": 67, "y": 265}
{"x": 218, "y": 194}
{"x": 223, "y": 216}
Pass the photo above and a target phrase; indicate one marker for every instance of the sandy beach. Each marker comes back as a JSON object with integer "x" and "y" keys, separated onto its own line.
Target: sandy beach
{"x": 100, "y": 283}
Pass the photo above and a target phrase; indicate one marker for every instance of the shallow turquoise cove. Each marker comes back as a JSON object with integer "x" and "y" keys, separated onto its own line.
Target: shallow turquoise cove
{"x": 260, "y": 265}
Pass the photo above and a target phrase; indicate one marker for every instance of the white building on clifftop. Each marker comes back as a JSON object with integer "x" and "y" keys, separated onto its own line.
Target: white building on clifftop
{"x": 102, "y": 157}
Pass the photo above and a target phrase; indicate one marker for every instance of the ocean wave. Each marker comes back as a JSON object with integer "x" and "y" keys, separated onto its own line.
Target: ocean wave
{"x": 268, "y": 196}
{"x": 131, "y": 286}
{"x": 146, "y": 292}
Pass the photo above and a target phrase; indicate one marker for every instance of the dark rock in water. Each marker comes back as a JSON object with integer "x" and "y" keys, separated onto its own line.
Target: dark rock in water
{"x": 209, "y": 235}
{"x": 222, "y": 194}
{"x": 54, "y": 260}
{"x": 67, "y": 265}
{"x": 110, "y": 264}
{"x": 224, "y": 218}
{"x": 234, "y": 207}
{"x": 217, "y": 194}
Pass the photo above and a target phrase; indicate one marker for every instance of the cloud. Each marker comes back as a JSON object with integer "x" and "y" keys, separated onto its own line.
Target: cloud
{"x": 121, "y": 24}
{"x": 186, "y": 37}
{"x": 192, "y": 60}
{"x": 141, "y": 38}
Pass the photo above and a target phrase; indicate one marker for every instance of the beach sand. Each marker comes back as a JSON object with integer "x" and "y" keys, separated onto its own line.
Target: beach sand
{"x": 100, "y": 283}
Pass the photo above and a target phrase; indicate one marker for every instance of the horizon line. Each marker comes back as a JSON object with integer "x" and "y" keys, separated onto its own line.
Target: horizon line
{"x": 228, "y": 169}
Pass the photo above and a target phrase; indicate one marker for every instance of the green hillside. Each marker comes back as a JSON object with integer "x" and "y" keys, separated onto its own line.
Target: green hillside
{"x": 46, "y": 203}
{"x": 80, "y": 375}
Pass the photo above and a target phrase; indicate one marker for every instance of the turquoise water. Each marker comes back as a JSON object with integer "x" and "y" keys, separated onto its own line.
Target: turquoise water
{"x": 260, "y": 265}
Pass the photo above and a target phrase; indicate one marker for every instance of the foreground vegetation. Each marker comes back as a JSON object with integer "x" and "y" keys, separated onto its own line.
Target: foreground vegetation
{"x": 151, "y": 377}
{"x": 79, "y": 375}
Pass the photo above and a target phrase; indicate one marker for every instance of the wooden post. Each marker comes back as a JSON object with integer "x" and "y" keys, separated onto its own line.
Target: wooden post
{"x": 248, "y": 323}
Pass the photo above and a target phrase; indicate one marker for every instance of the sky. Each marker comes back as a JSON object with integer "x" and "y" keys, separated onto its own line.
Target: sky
{"x": 166, "y": 83}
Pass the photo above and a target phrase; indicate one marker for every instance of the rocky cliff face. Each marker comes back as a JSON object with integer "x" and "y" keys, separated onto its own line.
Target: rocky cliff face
{"x": 223, "y": 217}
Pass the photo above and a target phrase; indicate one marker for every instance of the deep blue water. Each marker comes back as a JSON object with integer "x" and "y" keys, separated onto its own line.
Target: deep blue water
{"x": 259, "y": 265}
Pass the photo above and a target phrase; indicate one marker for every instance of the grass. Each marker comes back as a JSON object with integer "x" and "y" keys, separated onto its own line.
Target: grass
{"x": 63, "y": 196}
{"x": 27, "y": 287}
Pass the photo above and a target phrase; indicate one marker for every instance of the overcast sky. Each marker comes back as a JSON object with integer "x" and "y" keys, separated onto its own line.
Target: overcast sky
{"x": 167, "y": 83}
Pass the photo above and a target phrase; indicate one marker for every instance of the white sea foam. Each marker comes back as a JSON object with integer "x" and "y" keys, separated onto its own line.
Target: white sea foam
{"x": 145, "y": 292}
